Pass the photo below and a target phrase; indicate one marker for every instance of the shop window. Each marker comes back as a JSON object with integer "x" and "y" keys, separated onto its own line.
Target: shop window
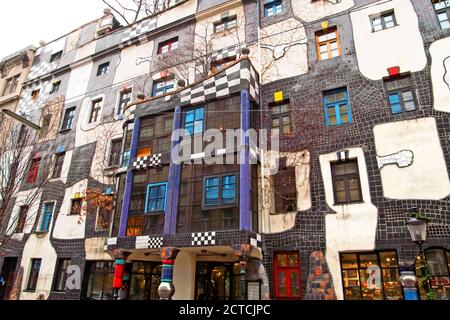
{"x": 346, "y": 182}
{"x": 337, "y": 107}
{"x": 328, "y": 45}
{"x": 75, "y": 207}
{"x": 47, "y": 214}
{"x": 281, "y": 117}
{"x": 442, "y": 9}
{"x": 124, "y": 100}
{"x": 69, "y": 115}
{"x": 56, "y": 56}
{"x": 287, "y": 275}
{"x": 100, "y": 275}
{"x": 225, "y": 23}
{"x": 114, "y": 156}
{"x": 273, "y": 7}
{"x": 168, "y": 45}
{"x": 59, "y": 284}
{"x": 21, "y": 219}
{"x": 34, "y": 274}
{"x": 103, "y": 69}
{"x": 371, "y": 276}
{"x": 401, "y": 95}
{"x": 95, "y": 110}
{"x": 156, "y": 197}
{"x": 438, "y": 261}
{"x": 217, "y": 281}
{"x": 285, "y": 189}
{"x": 163, "y": 87}
{"x": 194, "y": 121}
{"x": 220, "y": 190}
{"x": 383, "y": 21}
{"x": 145, "y": 280}
{"x": 34, "y": 169}
{"x": 59, "y": 162}
{"x": 55, "y": 87}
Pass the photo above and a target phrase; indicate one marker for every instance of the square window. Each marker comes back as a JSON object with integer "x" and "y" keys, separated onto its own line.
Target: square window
{"x": 163, "y": 87}
{"x": 328, "y": 45}
{"x": 220, "y": 190}
{"x": 103, "y": 69}
{"x": 337, "y": 107}
{"x": 68, "y": 119}
{"x": 168, "y": 45}
{"x": 400, "y": 94}
{"x": 383, "y": 21}
{"x": 34, "y": 274}
{"x": 194, "y": 121}
{"x": 55, "y": 87}
{"x": 156, "y": 197}
{"x": 56, "y": 56}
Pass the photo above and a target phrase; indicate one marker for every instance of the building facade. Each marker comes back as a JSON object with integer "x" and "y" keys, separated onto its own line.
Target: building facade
{"x": 157, "y": 181}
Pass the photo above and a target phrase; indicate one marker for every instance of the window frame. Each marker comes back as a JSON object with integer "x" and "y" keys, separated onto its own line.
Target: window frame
{"x": 97, "y": 219}
{"x": 59, "y": 272}
{"x": 287, "y": 270}
{"x": 55, "y": 87}
{"x": 33, "y": 171}
{"x": 147, "y": 197}
{"x": 33, "y": 271}
{"x": 72, "y": 211}
{"x": 11, "y": 85}
{"x": 337, "y": 105}
{"x": 225, "y": 22}
{"x": 399, "y": 92}
{"x": 68, "y": 119}
{"x": 193, "y": 122}
{"x": 123, "y": 103}
{"x": 322, "y": 32}
{"x": 382, "y": 16}
{"x": 57, "y": 168}
{"x": 169, "y": 86}
{"x": 46, "y": 217}
{"x": 103, "y": 69}
{"x": 111, "y": 162}
{"x": 169, "y": 43}
{"x": 96, "y": 110}
{"x": 220, "y": 204}
{"x": 280, "y": 116}
{"x": 445, "y": 10}
{"x": 35, "y": 94}
{"x": 21, "y": 219}
{"x": 273, "y": 4}
{"x": 346, "y": 176}
{"x": 55, "y": 57}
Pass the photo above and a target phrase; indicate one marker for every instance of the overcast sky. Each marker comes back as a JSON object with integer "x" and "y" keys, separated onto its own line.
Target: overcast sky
{"x": 26, "y": 22}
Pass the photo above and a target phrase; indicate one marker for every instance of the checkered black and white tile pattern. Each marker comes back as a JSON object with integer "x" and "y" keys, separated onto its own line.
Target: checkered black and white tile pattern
{"x": 148, "y": 162}
{"x": 139, "y": 29}
{"x": 204, "y": 238}
{"x": 232, "y": 51}
{"x": 256, "y": 240}
{"x": 41, "y": 69}
{"x": 228, "y": 81}
{"x": 147, "y": 242}
{"x": 27, "y": 104}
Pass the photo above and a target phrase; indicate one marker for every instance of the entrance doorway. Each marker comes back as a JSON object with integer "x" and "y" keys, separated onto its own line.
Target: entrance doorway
{"x": 144, "y": 281}
{"x": 217, "y": 281}
{"x": 8, "y": 274}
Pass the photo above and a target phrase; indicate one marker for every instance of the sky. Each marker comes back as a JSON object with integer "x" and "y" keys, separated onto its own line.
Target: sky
{"x": 26, "y": 22}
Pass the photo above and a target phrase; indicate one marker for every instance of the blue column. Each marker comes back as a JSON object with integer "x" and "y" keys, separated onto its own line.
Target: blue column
{"x": 245, "y": 169}
{"x": 129, "y": 182}
{"x": 170, "y": 223}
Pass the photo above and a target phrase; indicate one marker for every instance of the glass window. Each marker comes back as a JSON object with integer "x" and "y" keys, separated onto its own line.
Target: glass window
{"x": 156, "y": 197}
{"x": 11, "y": 85}
{"x": 281, "y": 117}
{"x": 163, "y": 87}
{"x": 168, "y": 45}
{"x": 442, "y": 9}
{"x": 328, "y": 45}
{"x": 59, "y": 162}
{"x": 114, "y": 157}
{"x": 34, "y": 170}
{"x": 47, "y": 216}
{"x": 273, "y": 7}
{"x": 100, "y": 280}
{"x": 225, "y": 23}
{"x": 220, "y": 190}
{"x": 337, "y": 107}
{"x": 56, "y": 56}
{"x": 383, "y": 21}
{"x": 61, "y": 275}
{"x": 287, "y": 275}
{"x": 55, "y": 87}
{"x": 95, "y": 110}
{"x": 68, "y": 119}
{"x": 400, "y": 94}
{"x": 194, "y": 120}
{"x": 35, "y": 94}
{"x": 34, "y": 274}
{"x": 124, "y": 100}
{"x": 75, "y": 208}
{"x": 347, "y": 188}
{"x": 21, "y": 219}
{"x": 103, "y": 69}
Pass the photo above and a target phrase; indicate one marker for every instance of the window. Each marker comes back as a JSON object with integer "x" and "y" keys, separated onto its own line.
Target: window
{"x": 220, "y": 65}
{"x": 281, "y": 117}
{"x": 162, "y": 87}
{"x": 34, "y": 274}
{"x": 442, "y": 9}
{"x": 371, "y": 276}
{"x": 55, "y": 87}
{"x": 21, "y": 219}
{"x": 383, "y": 21}
{"x": 56, "y": 56}
{"x": 287, "y": 275}
{"x": 346, "y": 184}
{"x": 124, "y": 100}
{"x": 337, "y": 107}
{"x": 114, "y": 157}
{"x": 156, "y": 197}
{"x": 34, "y": 169}
{"x": 95, "y": 110}
{"x": 59, "y": 283}
{"x": 75, "y": 208}
{"x": 273, "y": 7}
{"x": 47, "y": 214}
{"x": 45, "y": 125}
{"x": 220, "y": 190}
{"x": 35, "y": 94}
{"x": 103, "y": 219}
{"x": 225, "y": 23}
{"x": 328, "y": 45}
{"x": 285, "y": 189}
{"x": 103, "y": 69}
{"x": 438, "y": 260}
{"x": 194, "y": 121}
{"x": 400, "y": 95}
{"x": 59, "y": 162}
{"x": 11, "y": 85}
{"x": 100, "y": 275}
{"x": 68, "y": 119}
{"x": 168, "y": 45}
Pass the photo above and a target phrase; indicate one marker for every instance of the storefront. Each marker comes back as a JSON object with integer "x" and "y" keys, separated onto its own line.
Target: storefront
{"x": 144, "y": 280}
{"x": 98, "y": 280}
{"x": 371, "y": 275}
{"x": 438, "y": 260}
{"x": 217, "y": 281}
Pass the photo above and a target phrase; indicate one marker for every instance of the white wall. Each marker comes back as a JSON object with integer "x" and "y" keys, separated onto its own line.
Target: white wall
{"x": 401, "y": 45}
{"x": 440, "y": 74}
{"x": 310, "y": 11}
{"x": 175, "y": 14}
{"x": 95, "y": 249}
{"x": 67, "y": 226}
{"x": 78, "y": 82}
{"x": 184, "y": 275}
{"x": 128, "y": 67}
{"x": 353, "y": 227}
{"x": 31, "y": 198}
{"x": 427, "y": 178}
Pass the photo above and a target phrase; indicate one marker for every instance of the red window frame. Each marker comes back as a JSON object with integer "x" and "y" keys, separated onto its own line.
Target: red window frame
{"x": 287, "y": 270}
{"x": 167, "y": 43}
{"x": 34, "y": 169}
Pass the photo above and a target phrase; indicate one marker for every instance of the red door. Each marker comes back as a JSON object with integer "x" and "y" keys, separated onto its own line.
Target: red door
{"x": 287, "y": 275}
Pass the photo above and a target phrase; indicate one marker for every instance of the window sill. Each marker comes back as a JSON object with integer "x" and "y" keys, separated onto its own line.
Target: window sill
{"x": 65, "y": 131}
{"x": 218, "y": 207}
{"x": 29, "y": 291}
{"x": 348, "y": 203}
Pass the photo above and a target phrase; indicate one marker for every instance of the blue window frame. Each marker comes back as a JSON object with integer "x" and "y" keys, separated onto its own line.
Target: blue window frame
{"x": 156, "y": 197}
{"x": 194, "y": 120}
{"x": 47, "y": 216}
{"x": 220, "y": 190}
{"x": 400, "y": 94}
{"x": 162, "y": 87}
{"x": 273, "y": 7}
{"x": 337, "y": 107}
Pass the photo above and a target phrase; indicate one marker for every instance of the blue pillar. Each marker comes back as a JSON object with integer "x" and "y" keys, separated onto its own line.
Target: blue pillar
{"x": 129, "y": 182}
{"x": 170, "y": 223}
{"x": 245, "y": 169}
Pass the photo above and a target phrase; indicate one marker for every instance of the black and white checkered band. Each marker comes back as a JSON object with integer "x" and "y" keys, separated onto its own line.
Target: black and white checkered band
{"x": 229, "y": 52}
{"x": 204, "y": 238}
{"x": 148, "y": 162}
{"x": 147, "y": 242}
{"x": 256, "y": 240}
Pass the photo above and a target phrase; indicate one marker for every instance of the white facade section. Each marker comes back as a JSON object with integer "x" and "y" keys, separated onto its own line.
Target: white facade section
{"x": 308, "y": 10}
{"x": 427, "y": 177}
{"x": 401, "y": 45}
{"x": 134, "y": 62}
{"x": 440, "y": 74}
{"x": 78, "y": 82}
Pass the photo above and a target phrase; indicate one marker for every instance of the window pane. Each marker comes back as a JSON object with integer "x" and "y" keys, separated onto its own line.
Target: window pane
{"x": 331, "y": 111}
{"x": 332, "y": 120}
{"x": 445, "y": 24}
{"x": 199, "y": 113}
{"x": 295, "y": 288}
{"x": 391, "y": 283}
{"x": 344, "y": 118}
{"x": 293, "y": 260}
{"x": 340, "y": 185}
{"x": 437, "y": 262}
{"x": 275, "y": 123}
{"x": 190, "y": 116}
{"x": 323, "y": 48}
{"x": 335, "y": 53}
{"x": 349, "y": 261}
{"x": 324, "y": 56}
{"x": 371, "y": 284}
{"x": 331, "y": 35}
{"x": 355, "y": 195}
{"x": 407, "y": 96}
{"x": 410, "y": 106}
{"x": 368, "y": 260}
{"x": 282, "y": 292}
{"x": 282, "y": 260}
{"x": 351, "y": 285}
